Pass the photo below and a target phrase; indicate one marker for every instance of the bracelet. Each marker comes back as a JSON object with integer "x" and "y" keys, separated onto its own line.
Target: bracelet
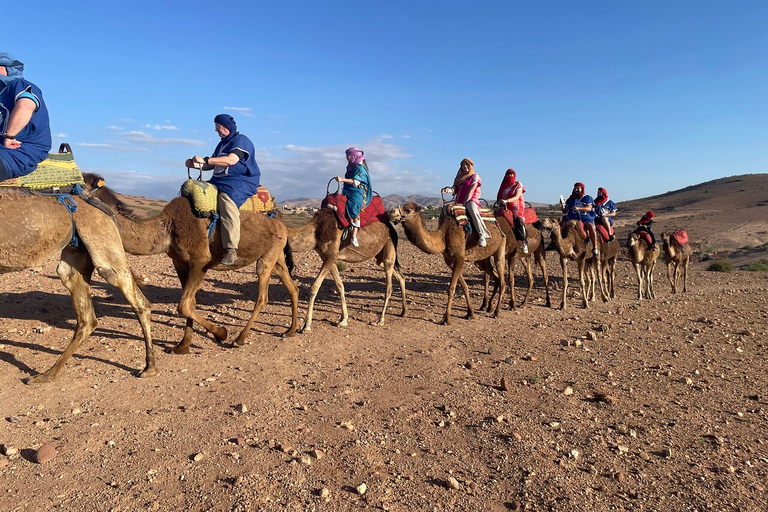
{"x": 205, "y": 160}
{"x": 6, "y": 136}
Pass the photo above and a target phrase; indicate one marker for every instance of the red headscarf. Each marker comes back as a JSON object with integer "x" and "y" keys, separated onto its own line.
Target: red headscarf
{"x": 645, "y": 219}
{"x": 510, "y": 177}
{"x": 598, "y": 199}
{"x": 583, "y": 190}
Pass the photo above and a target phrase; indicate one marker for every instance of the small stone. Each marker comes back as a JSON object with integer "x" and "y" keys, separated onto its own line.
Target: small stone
{"x": 619, "y": 475}
{"x": 469, "y": 365}
{"x": 316, "y": 453}
{"x": 306, "y": 460}
{"x": 667, "y": 453}
{"x": 4, "y": 462}
{"x": 517, "y": 435}
{"x": 500, "y": 418}
{"x": 575, "y": 454}
{"x": 361, "y": 488}
{"x": 591, "y": 335}
{"x": 504, "y": 385}
{"x": 644, "y": 456}
{"x": 577, "y": 343}
{"x": 688, "y": 381}
{"x": 452, "y": 483}
{"x": 9, "y": 451}
{"x": 622, "y": 449}
{"x": 198, "y": 457}
{"x": 241, "y": 408}
{"x": 45, "y": 453}
{"x": 324, "y": 492}
{"x": 76, "y": 411}
{"x": 568, "y": 391}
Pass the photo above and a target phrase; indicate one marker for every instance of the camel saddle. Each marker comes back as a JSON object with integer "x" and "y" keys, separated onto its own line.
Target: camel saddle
{"x": 529, "y": 215}
{"x": 679, "y": 236}
{"x": 602, "y": 233}
{"x": 203, "y": 198}
{"x": 374, "y": 212}
{"x": 57, "y": 173}
{"x": 459, "y": 213}
{"x": 644, "y": 235}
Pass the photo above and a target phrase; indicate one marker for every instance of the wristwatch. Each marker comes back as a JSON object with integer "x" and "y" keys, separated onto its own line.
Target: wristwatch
{"x": 205, "y": 160}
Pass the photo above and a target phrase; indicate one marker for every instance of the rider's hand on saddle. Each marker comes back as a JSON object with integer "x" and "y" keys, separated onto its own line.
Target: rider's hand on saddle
{"x": 446, "y": 190}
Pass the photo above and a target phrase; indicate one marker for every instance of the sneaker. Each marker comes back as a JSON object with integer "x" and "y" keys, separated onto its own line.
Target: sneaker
{"x": 230, "y": 257}
{"x": 482, "y": 242}
{"x": 354, "y": 242}
{"x": 525, "y": 247}
{"x": 611, "y": 238}
{"x": 595, "y": 253}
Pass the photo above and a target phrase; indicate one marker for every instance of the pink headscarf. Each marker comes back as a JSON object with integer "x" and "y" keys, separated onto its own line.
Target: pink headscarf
{"x": 354, "y": 157}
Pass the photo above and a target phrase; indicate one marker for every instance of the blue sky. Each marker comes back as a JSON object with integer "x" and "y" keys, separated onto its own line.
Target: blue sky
{"x": 639, "y": 97}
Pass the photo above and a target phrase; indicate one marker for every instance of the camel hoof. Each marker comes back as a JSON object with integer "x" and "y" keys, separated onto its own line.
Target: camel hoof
{"x": 343, "y": 323}
{"x": 445, "y": 321}
{"x": 180, "y": 350}
{"x": 148, "y": 372}
{"x": 220, "y": 335}
{"x": 378, "y": 322}
{"x": 288, "y": 334}
{"x": 41, "y": 378}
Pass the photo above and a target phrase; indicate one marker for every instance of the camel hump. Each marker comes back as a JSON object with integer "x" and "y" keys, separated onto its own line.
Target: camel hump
{"x": 54, "y": 173}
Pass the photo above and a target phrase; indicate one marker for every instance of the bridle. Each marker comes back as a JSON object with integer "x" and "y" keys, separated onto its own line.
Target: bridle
{"x": 399, "y": 211}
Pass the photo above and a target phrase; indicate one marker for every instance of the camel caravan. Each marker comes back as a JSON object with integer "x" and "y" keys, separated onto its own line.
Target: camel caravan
{"x": 77, "y": 218}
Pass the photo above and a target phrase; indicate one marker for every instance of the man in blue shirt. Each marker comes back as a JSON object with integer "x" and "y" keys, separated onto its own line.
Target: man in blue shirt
{"x": 24, "y": 125}
{"x": 236, "y": 176}
{"x": 581, "y": 206}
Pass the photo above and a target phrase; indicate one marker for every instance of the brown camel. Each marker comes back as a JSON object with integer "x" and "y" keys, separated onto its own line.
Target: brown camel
{"x": 322, "y": 235}
{"x": 36, "y": 228}
{"x": 450, "y": 241}
{"x": 514, "y": 252}
{"x": 676, "y": 257}
{"x": 182, "y": 236}
{"x": 643, "y": 258}
{"x": 571, "y": 246}
{"x": 609, "y": 254}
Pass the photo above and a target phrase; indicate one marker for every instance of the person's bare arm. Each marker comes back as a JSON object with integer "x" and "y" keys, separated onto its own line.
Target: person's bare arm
{"x": 19, "y": 118}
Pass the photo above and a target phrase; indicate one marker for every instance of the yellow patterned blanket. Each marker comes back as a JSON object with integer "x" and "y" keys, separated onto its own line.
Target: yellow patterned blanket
{"x": 56, "y": 171}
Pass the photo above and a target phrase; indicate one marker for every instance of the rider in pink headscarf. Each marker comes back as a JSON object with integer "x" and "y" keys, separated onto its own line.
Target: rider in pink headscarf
{"x": 357, "y": 189}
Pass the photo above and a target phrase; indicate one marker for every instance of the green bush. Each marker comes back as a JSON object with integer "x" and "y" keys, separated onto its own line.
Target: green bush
{"x": 341, "y": 265}
{"x": 758, "y": 266}
{"x": 720, "y": 266}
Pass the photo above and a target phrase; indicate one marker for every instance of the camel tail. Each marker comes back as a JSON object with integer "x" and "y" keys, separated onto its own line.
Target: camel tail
{"x": 288, "y": 252}
{"x": 393, "y": 236}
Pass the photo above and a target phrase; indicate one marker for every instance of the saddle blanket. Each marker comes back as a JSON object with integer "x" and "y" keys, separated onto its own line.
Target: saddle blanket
{"x": 56, "y": 171}
{"x": 529, "y": 215}
{"x": 374, "y": 212}
{"x": 644, "y": 236}
{"x": 680, "y": 237}
{"x": 203, "y": 198}
{"x": 459, "y": 213}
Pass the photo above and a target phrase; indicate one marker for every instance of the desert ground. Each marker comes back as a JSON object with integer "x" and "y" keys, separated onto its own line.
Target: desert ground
{"x": 658, "y": 405}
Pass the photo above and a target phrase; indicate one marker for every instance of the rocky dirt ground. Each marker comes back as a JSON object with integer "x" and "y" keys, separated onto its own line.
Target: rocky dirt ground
{"x": 655, "y": 405}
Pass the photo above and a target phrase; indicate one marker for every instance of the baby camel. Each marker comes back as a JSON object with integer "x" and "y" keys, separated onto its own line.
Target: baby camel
{"x": 643, "y": 258}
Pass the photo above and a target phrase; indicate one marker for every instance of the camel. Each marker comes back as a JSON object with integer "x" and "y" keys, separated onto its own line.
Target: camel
{"x": 36, "y": 228}
{"x": 322, "y": 235}
{"x": 609, "y": 254}
{"x": 570, "y": 246}
{"x": 514, "y": 252}
{"x": 450, "y": 241}
{"x": 176, "y": 232}
{"x": 644, "y": 260}
{"x": 676, "y": 257}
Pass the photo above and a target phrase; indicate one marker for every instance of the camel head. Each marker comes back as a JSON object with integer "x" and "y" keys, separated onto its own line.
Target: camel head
{"x": 633, "y": 239}
{"x": 397, "y": 215}
{"x": 665, "y": 237}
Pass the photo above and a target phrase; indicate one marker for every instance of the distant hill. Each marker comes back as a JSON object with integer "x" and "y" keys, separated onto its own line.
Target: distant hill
{"x": 390, "y": 201}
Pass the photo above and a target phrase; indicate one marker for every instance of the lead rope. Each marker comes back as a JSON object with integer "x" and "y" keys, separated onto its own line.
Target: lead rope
{"x": 71, "y": 207}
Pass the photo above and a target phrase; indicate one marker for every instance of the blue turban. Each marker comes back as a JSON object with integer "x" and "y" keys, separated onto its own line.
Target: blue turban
{"x": 13, "y": 67}
{"x": 227, "y": 121}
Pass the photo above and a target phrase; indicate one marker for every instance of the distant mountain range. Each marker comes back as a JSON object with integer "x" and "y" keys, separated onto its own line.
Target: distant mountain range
{"x": 390, "y": 201}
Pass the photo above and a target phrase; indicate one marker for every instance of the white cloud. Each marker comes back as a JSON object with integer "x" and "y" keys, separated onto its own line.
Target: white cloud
{"x": 137, "y": 183}
{"x": 61, "y": 135}
{"x": 161, "y": 126}
{"x": 246, "y": 111}
{"x": 139, "y": 137}
{"x": 385, "y": 136}
{"x": 116, "y": 128}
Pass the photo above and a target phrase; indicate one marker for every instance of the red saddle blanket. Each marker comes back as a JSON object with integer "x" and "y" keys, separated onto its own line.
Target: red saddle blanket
{"x": 374, "y": 212}
{"x": 644, "y": 236}
{"x": 529, "y": 215}
{"x": 679, "y": 236}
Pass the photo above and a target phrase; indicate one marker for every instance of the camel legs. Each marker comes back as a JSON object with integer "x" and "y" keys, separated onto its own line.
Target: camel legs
{"x": 344, "y": 319}
{"x": 541, "y": 258}
{"x": 264, "y": 270}
{"x": 457, "y": 267}
{"x": 564, "y": 266}
{"x": 672, "y": 275}
{"x": 191, "y": 281}
{"x": 307, "y": 327}
{"x": 75, "y": 271}
{"x": 387, "y": 258}
{"x": 582, "y": 264}
{"x": 685, "y": 275}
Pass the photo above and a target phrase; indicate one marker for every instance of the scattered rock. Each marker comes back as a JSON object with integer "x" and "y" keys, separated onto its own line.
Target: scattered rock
{"x": 45, "y": 453}
{"x": 198, "y": 456}
{"x": 316, "y": 453}
{"x": 504, "y": 385}
{"x": 591, "y": 335}
{"x": 9, "y": 451}
{"x": 324, "y": 492}
{"x": 568, "y": 391}
{"x": 452, "y": 483}
{"x": 361, "y": 488}
{"x": 241, "y": 408}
